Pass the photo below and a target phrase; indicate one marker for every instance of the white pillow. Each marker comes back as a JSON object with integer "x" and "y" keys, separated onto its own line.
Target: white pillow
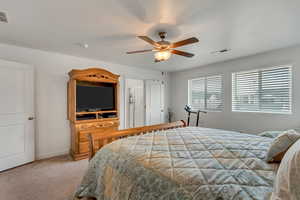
{"x": 287, "y": 182}
{"x": 281, "y": 144}
{"x": 270, "y": 134}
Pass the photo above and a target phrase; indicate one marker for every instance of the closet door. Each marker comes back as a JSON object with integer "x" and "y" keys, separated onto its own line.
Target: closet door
{"x": 16, "y": 114}
{"x": 154, "y": 102}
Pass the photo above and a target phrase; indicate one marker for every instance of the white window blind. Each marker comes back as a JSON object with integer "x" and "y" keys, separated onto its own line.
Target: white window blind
{"x": 263, "y": 90}
{"x": 206, "y": 93}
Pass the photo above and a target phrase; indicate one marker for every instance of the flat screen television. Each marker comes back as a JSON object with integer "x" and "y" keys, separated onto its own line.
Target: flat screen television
{"x": 95, "y": 98}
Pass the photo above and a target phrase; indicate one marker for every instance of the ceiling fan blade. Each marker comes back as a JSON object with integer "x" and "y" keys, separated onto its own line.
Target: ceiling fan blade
{"x": 182, "y": 53}
{"x": 141, "y": 51}
{"x": 149, "y": 40}
{"x": 184, "y": 42}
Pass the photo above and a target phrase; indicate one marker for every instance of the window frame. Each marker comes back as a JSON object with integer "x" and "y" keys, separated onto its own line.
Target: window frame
{"x": 205, "y": 91}
{"x": 259, "y": 70}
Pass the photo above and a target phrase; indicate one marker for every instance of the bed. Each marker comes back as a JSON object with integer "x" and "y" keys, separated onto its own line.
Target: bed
{"x": 181, "y": 163}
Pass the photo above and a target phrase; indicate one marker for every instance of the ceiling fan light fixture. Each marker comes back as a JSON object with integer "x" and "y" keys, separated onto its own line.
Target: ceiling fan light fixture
{"x": 164, "y": 48}
{"x": 162, "y": 55}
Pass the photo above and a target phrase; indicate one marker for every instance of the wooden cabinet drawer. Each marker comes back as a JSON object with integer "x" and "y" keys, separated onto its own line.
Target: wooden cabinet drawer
{"x": 84, "y": 146}
{"x": 83, "y": 136}
{"x": 96, "y": 125}
{"x": 82, "y": 129}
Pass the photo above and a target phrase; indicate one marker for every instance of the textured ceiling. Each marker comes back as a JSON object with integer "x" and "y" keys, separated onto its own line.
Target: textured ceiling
{"x": 110, "y": 27}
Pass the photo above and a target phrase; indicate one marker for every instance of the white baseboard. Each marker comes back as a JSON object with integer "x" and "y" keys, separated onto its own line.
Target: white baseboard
{"x": 52, "y": 154}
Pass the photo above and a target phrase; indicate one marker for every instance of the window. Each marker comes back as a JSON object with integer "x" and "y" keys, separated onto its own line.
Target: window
{"x": 263, "y": 90}
{"x": 206, "y": 93}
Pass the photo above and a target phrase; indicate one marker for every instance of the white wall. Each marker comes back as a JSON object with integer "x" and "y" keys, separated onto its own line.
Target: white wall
{"x": 245, "y": 122}
{"x": 52, "y": 127}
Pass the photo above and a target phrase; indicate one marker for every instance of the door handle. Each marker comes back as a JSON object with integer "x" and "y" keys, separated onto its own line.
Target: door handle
{"x": 31, "y": 118}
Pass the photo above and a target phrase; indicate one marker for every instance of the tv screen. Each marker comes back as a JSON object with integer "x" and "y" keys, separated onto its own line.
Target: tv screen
{"x": 94, "y": 98}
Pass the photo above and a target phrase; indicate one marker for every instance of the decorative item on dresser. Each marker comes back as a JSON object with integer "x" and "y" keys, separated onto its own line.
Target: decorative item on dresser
{"x": 93, "y": 106}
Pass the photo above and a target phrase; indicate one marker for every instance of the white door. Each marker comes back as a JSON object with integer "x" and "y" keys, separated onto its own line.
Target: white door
{"x": 16, "y": 113}
{"x": 154, "y": 102}
{"x": 135, "y": 101}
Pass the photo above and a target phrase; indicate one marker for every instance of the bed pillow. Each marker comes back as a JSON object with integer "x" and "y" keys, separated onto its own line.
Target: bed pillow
{"x": 281, "y": 144}
{"x": 287, "y": 181}
{"x": 297, "y": 129}
{"x": 270, "y": 134}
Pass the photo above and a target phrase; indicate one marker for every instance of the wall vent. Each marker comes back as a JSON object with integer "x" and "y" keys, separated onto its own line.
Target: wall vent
{"x": 3, "y": 18}
{"x": 220, "y": 51}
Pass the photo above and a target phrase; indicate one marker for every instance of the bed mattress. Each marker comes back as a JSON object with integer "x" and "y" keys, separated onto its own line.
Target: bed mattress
{"x": 184, "y": 163}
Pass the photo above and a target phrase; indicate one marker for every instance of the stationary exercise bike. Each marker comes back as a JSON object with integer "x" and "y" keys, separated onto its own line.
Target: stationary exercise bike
{"x": 189, "y": 110}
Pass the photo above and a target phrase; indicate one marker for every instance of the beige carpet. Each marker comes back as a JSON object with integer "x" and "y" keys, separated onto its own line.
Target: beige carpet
{"x": 51, "y": 179}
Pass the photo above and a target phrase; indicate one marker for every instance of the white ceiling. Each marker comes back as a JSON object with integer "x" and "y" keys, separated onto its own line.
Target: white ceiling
{"x": 110, "y": 27}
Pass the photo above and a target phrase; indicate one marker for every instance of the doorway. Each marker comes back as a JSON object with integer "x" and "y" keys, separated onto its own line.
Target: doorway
{"x": 144, "y": 102}
{"x": 134, "y": 103}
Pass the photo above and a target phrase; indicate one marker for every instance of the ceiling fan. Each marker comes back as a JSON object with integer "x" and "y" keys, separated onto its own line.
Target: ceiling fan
{"x": 164, "y": 48}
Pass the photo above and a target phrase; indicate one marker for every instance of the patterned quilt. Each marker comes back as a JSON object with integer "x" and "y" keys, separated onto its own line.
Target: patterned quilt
{"x": 188, "y": 163}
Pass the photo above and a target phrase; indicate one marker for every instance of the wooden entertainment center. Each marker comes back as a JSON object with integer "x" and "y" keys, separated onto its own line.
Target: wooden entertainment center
{"x": 90, "y": 121}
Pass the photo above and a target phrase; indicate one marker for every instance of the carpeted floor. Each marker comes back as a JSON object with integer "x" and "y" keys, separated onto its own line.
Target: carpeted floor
{"x": 50, "y": 179}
